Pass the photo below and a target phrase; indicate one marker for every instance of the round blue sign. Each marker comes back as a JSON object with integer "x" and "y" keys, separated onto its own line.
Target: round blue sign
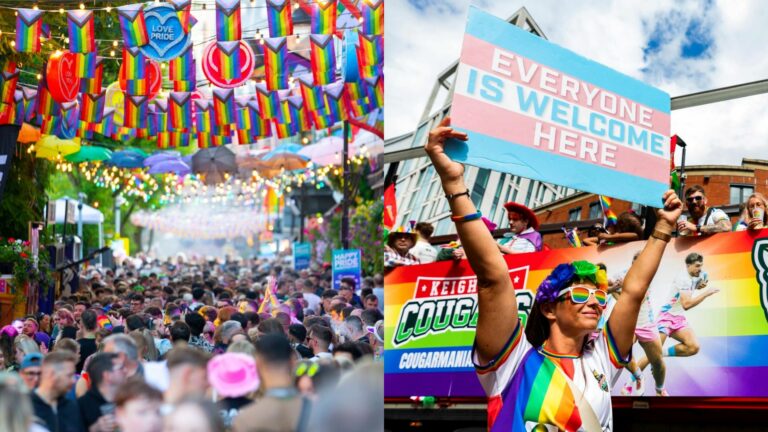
{"x": 167, "y": 38}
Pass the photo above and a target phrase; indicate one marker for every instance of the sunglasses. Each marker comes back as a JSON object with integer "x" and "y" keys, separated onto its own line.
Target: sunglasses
{"x": 580, "y": 294}
{"x": 308, "y": 369}
{"x": 694, "y": 198}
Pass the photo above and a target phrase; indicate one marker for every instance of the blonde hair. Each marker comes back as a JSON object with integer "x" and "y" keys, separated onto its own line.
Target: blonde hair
{"x": 26, "y": 344}
{"x": 15, "y": 404}
{"x": 746, "y": 216}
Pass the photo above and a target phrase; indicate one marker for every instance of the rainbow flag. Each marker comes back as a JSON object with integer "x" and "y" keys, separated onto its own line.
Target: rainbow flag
{"x": 182, "y": 67}
{"x": 164, "y": 140}
{"x": 609, "y": 217}
{"x": 29, "y": 25}
{"x": 279, "y": 18}
{"x": 312, "y": 95}
{"x": 46, "y": 105}
{"x": 259, "y": 127}
{"x": 184, "y": 12}
{"x": 157, "y": 122}
{"x": 180, "y": 107}
{"x": 323, "y": 17}
{"x": 135, "y": 116}
{"x": 370, "y": 54}
{"x": 356, "y": 99}
{"x": 104, "y": 322}
{"x": 48, "y": 124}
{"x": 322, "y": 121}
{"x": 573, "y": 237}
{"x": 299, "y": 115}
{"x": 202, "y": 115}
{"x": 269, "y": 104}
{"x": 92, "y": 107}
{"x": 107, "y": 125}
{"x": 205, "y": 140}
{"x": 228, "y": 27}
{"x": 132, "y": 25}
{"x": 8, "y": 113}
{"x": 82, "y": 38}
{"x": 244, "y": 120}
{"x": 137, "y": 87}
{"x": 275, "y": 56}
{"x": 85, "y": 64}
{"x": 93, "y": 84}
{"x": 83, "y": 130}
{"x": 135, "y": 63}
{"x": 323, "y": 58}
{"x": 374, "y": 88}
{"x": 372, "y": 14}
{"x": 9, "y": 77}
{"x": 223, "y": 106}
{"x": 30, "y": 97}
{"x": 334, "y": 101}
{"x": 284, "y": 130}
{"x": 246, "y": 136}
{"x": 229, "y": 59}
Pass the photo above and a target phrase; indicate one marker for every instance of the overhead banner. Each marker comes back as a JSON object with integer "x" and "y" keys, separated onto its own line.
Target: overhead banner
{"x": 534, "y": 109}
{"x": 431, "y": 314}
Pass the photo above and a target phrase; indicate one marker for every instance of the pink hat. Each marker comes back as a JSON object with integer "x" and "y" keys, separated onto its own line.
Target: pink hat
{"x": 10, "y": 331}
{"x": 233, "y": 374}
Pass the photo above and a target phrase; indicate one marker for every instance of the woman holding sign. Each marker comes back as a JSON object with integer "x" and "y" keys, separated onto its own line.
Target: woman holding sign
{"x": 552, "y": 372}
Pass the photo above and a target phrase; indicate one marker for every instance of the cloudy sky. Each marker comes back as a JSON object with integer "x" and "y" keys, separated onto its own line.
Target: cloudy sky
{"x": 679, "y": 46}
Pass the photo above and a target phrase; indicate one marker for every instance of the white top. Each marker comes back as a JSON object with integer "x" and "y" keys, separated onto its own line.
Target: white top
{"x": 683, "y": 282}
{"x": 715, "y": 216}
{"x": 312, "y": 301}
{"x": 518, "y": 244}
{"x": 424, "y": 252}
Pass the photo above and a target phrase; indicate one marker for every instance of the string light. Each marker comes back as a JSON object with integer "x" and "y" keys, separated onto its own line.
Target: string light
{"x": 108, "y": 9}
{"x": 61, "y": 11}
{"x": 82, "y": 6}
{"x": 114, "y": 43}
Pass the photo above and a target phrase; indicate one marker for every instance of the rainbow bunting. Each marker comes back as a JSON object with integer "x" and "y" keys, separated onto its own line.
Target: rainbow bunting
{"x": 93, "y": 84}
{"x": 49, "y": 124}
{"x": 181, "y": 67}
{"x": 269, "y": 104}
{"x": 229, "y": 59}
{"x": 202, "y": 115}
{"x": 275, "y": 56}
{"x": 132, "y": 25}
{"x": 83, "y": 130}
{"x": 18, "y": 108}
{"x": 228, "y": 27}
{"x": 312, "y": 95}
{"x": 30, "y": 97}
{"x": 323, "y": 17}
{"x": 70, "y": 111}
{"x": 137, "y": 87}
{"x": 323, "y": 58}
{"x": 321, "y": 121}
{"x": 92, "y": 108}
{"x": 135, "y": 115}
{"x": 9, "y": 77}
{"x": 356, "y": 99}
{"x": 224, "y": 106}
{"x": 85, "y": 64}
{"x": 29, "y": 24}
{"x": 159, "y": 116}
{"x": 259, "y": 126}
{"x": 279, "y": 18}
{"x": 82, "y": 38}
{"x": 284, "y": 130}
{"x": 370, "y": 54}
{"x": 46, "y": 105}
{"x": 299, "y": 115}
{"x": 372, "y": 14}
{"x": 609, "y": 217}
{"x": 164, "y": 140}
{"x": 8, "y": 113}
{"x": 572, "y": 236}
{"x": 135, "y": 63}
{"x": 244, "y": 121}
{"x": 180, "y": 107}
{"x": 334, "y": 101}
{"x": 204, "y": 140}
{"x": 184, "y": 12}
{"x": 244, "y": 136}
{"x": 374, "y": 88}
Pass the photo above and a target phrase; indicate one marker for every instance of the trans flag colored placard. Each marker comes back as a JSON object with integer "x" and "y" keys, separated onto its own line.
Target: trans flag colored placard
{"x": 534, "y": 109}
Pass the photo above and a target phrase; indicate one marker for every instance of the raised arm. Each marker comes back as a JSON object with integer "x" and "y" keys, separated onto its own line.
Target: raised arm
{"x": 497, "y": 316}
{"x": 624, "y": 316}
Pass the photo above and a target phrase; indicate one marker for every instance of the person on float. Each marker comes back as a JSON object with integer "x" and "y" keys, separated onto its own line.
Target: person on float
{"x": 552, "y": 373}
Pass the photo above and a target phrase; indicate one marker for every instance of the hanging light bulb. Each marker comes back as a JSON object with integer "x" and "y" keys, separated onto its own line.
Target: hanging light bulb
{"x": 109, "y": 9}
{"x": 35, "y": 7}
{"x": 111, "y": 53}
{"x": 61, "y": 11}
{"x": 82, "y": 6}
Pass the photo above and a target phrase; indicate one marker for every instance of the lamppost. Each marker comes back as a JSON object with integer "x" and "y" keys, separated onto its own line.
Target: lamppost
{"x": 81, "y": 197}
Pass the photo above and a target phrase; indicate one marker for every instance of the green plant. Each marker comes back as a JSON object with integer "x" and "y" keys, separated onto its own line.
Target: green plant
{"x": 16, "y": 256}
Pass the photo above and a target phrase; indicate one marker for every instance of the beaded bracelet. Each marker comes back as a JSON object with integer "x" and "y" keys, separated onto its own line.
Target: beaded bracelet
{"x": 467, "y": 218}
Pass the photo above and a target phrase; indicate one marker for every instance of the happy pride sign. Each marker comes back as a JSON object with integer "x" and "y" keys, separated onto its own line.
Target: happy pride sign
{"x": 534, "y": 109}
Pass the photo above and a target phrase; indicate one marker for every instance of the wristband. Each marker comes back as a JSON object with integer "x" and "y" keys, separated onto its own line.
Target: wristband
{"x": 661, "y": 235}
{"x": 452, "y": 196}
{"x": 467, "y": 218}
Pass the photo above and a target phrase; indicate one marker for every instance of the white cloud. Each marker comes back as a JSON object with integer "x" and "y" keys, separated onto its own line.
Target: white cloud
{"x": 422, "y": 43}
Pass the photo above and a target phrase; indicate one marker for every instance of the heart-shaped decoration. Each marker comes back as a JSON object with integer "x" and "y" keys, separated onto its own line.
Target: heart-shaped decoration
{"x": 212, "y": 71}
{"x": 61, "y": 76}
{"x": 164, "y": 15}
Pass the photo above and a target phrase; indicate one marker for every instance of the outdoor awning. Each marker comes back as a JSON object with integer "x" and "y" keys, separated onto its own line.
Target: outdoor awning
{"x": 90, "y": 214}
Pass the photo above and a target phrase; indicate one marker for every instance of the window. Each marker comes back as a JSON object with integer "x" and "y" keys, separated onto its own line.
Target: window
{"x": 528, "y": 195}
{"x": 496, "y": 197}
{"x": 595, "y": 210}
{"x": 574, "y": 214}
{"x": 418, "y": 137}
{"x": 443, "y": 226}
{"x": 478, "y": 189}
{"x": 739, "y": 193}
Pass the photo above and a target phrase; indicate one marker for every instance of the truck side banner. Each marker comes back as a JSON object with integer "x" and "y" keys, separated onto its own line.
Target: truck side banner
{"x": 431, "y": 314}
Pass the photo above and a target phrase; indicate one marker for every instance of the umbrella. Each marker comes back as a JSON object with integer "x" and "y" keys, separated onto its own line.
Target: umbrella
{"x": 213, "y": 163}
{"x": 90, "y": 154}
{"x": 52, "y": 148}
{"x": 170, "y": 166}
{"x": 326, "y": 151}
{"x": 28, "y": 134}
{"x": 286, "y": 156}
{"x": 161, "y": 156}
{"x": 127, "y": 159}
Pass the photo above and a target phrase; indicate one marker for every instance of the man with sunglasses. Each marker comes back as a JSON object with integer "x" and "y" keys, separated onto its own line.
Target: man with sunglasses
{"x": 703, "y": 219}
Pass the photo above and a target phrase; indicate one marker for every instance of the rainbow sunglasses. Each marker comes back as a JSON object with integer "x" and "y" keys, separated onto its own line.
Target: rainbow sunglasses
{"x": 580, "y": 294}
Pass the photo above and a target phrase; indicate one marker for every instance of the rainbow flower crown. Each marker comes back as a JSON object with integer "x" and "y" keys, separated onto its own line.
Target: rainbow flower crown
{"x": 565, "y": 274}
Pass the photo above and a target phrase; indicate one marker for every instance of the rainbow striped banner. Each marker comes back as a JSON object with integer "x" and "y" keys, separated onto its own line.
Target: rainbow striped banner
{"x": 323, "y": 58}
{"x": 372, "y": 14}
{"x": 356, "y": 99}
{"x": 228, "y": 27}
{"x": 312, "y": 95}
{"x": 132, "y": 25}
{"x": 260, "y": 127}
{"x": 135, "y": 63}
{"x": 92, "y": 107}
{"x": 184, "y": 12}
{"x": 426, "y": 357}
{"x": 180, "y": 106}
{"x": 299, "y": 115}
{"x": 45, "y": 105}
{"x": 85, "y": 64}
{"x": 135, "y": 116}
{"x": 374, "y": 88}
{"x": 370, "y": 55}
{"x": 137, "y": 87}
{"x": 92, "y": 85}
{"x": 29, "y": 25}
{"x": 323, "y": 17}
{"x": 9, "y": 78}
{"x": 49, "y": 124}
{"x": 284, "y": 130}
{"x": 82, "y": 38}
{"x": 83, "y": 130}
{"x": 321, "y": 121}
{"x": 269, "y": 104}
{"x": 158, "y": 117}
{"x": 30, "y": 100}
{"x": 243, "y": 116}
{"x": 223, "y": 106}
{"x": 275, "y": 55}
{"x": 229, "y": 59}
{"x": 203, "y": 108}
{"x": 182, "y": 67}
{"x": 334, "y": 101}
{"x": 279, "y": 18}
{"x": 609, "y": 215}
{"x": 107, "y": 126}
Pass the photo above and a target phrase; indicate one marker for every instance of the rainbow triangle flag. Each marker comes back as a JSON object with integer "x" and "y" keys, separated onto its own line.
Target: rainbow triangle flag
{"x": 182, "y": 67}
{"x": 9, "y": 78}
{"x": 284, "y": 130}
{"x": 312, "y": 95}
{"x": 8, "y": 113}
{"x": 164, "y": 140}
{"x": 29, "y": 25}
{"x": 374, "y": 89}
{"x": 299, "y": 115}
{"x": 205, "y": 140}
{"x": 275, "y": 55}
{"x": 203, "y": 115}
{"x": 243, "y": 116}
{"x": 572, "y": 236}
{"x": 85, "y": 64}
{"x": 323, "y": 58}
{"x": 135, "y": 115}
{"x": 269, "y": 104}
{"x": 137, "y": 87}
{"x": 370, "y": 54}
{"x": 321, "y": 121}
{"x": 132, "y": 25}
{"x": 82, "y": 37}
{"x": 180, "y": 106}
{"x": 228, "y": 27}
{"x": 279, "y": 18}
{"x": 92, "y": 107}
{"x": 372, "y": 14}
{"x": 229, "y": 59}
{"x": 92, "y": 84}
{"x": 322, "y": 17}
{"x": 334, "y": 101}
{"x": 259, "y": 127}
{"x": 609, "y": 217}
{"x": 30, "y": 97}
{"x": 83, "y": 130}
{"x": 46, "y": 105}
{"x": 184, "y": 12}
{"x": 224, "y": 106}
{"x": 135, "y": 63}
{"x": 107, "y": 125}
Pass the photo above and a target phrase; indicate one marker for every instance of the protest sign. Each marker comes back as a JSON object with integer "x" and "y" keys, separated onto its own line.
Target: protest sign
{"x": 345, "y": 263}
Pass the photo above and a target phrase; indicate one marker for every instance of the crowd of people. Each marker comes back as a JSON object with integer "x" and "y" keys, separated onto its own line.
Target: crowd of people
{"x": 198, "y": 344}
